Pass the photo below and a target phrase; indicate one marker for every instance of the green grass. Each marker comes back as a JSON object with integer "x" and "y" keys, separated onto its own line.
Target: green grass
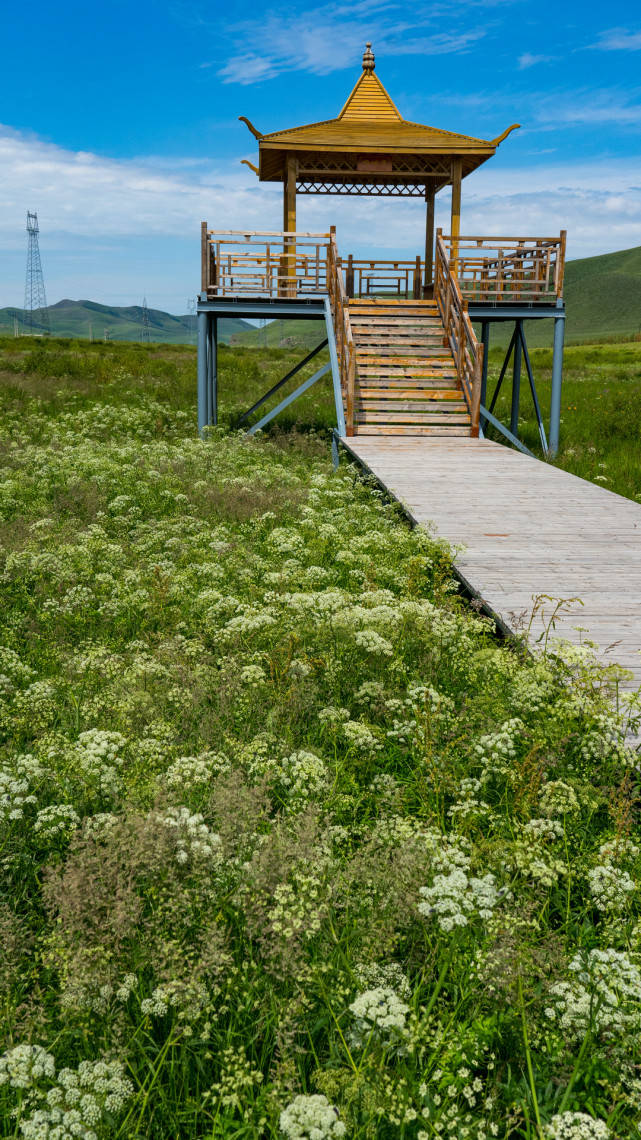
{"x": 601, "y": 411}
{"x": 292, "y": 846}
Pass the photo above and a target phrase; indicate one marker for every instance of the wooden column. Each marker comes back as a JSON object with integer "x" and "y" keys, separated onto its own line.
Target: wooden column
{"x": 289, "y": 222}
{"x": 430, "y": 199}
{"x": 455, "y": 226}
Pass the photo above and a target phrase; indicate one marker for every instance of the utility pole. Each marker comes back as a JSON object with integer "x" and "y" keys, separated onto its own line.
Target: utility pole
{"x": 36, "y": 313}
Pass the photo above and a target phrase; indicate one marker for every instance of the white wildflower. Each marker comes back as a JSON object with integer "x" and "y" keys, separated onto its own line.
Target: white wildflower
{"x": 454, "y": 898}
{"x": 79, "y": 1102}
{"x": 311, "y": 1118}
{"x": 194, "y": 840}
{"x": 610, "y": 887}
{"x": 252, "y": 675}
{"x": 558, "y": 798}
{"x": 372, "y": 642}
{"x": 18, "y": 782}
{"x": 360, "y": 736}
{"x": 57, "y": 821}
{"x": 576, "y": 1126}
{"x": 24, "y": 1065}
{"x": 380, "y": 1012}
{"x": 194, "y": 772}
{"x": 605, "y": 989}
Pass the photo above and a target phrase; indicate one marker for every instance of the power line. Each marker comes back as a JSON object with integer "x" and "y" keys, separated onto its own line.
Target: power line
{"x": 36, "y": 313}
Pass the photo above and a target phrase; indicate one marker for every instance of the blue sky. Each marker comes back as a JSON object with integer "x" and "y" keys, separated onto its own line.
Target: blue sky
{"x": 120, "y": 126}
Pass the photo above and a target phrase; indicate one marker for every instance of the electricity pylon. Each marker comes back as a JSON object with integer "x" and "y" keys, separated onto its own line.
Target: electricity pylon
{"x": 36, "y": 313}
{"x": 145, "y": 333}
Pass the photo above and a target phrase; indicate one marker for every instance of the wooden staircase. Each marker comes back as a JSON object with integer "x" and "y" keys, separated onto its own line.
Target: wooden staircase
{"x": 405, "y": 378}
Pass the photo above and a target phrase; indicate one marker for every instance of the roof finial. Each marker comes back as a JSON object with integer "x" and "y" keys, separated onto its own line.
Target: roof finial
{"x": 368, "y": 58}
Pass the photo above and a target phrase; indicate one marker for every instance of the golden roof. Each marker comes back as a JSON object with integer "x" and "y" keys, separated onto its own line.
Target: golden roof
{"x": 369, "y": 123}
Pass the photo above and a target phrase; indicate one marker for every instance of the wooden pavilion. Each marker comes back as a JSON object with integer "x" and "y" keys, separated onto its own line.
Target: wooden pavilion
{"x": 401, "y": 333}
{"x": 371, "y": 150}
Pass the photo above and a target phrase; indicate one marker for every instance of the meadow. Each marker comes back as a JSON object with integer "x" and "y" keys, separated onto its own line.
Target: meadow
{"x": 293, "y": 846}
{"x": 601, "y": 411}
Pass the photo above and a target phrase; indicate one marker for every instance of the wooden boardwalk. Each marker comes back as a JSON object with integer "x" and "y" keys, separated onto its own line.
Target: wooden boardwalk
{"x": 528, "y": 529}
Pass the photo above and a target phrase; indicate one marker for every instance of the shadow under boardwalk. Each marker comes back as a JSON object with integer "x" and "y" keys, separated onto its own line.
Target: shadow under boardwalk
{"x": 528, "y": 529}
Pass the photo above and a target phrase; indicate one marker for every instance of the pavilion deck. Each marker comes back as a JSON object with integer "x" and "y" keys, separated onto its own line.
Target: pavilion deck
{"x": 405, "y": 355}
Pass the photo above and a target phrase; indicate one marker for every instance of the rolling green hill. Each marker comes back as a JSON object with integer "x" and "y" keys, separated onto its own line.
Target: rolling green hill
{"x": 88, "y": 318}
{"x": 603, "y": 295}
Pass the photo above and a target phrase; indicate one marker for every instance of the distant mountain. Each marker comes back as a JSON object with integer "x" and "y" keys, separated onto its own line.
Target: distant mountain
{"x": 87, "y": 318}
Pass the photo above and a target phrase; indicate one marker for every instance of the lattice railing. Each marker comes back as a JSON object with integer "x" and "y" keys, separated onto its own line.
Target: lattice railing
{"x": 235, "y": 262}
{"x": 504, "y": 269}
{"x": 466, "y": 350}
{"x": 373, "y": 277}
{"x": 345, "y": 350}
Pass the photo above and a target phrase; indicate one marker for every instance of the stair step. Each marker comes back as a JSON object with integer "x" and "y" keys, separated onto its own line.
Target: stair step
{"x": 408, "y": 380}
{"x": 405, "y": 393}
{"x": 404, "y": 324}
{"x": 427, "y": 360}
{"x": 392, "y": 340}
{"x": 413, "y": 417}
{"x": 442, "y": 408}
{"x": 410, "y": 429}
{"x": 374, "y": 305}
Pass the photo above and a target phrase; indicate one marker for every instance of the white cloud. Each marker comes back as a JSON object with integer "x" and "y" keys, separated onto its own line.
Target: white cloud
{"x": 529, "y": 60}
{"x": 332, "y": 37}
{"x": 618, "y": 39}
{"x": 113, "y": 229}
{"x": 556, "y": 109}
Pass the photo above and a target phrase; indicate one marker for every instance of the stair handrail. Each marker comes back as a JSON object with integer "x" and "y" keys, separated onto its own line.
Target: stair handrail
{"x": 459, "y": 332}
{"x": 339, "y": 302}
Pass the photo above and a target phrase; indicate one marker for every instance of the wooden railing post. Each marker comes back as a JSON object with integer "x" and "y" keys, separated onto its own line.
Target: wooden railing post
{"x": 204, "y": 260}
{"x": 351, "y": 388}
{"x": 349, "y": 276}
{"x": 475, "y": 410}
{"x": 560, "y": 264}
{"x": 460, "y": 337}
{"x": 417, "y": 280}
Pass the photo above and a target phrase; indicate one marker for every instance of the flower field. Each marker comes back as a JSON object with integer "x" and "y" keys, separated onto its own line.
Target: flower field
{"x": 292, "y": 845}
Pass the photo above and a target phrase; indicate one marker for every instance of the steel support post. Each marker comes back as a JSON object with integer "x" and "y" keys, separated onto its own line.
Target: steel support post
{"x": 557, "y": 382}
{"x": 202, "y": 372}
{"x": 336, "y": 374}
{"x": 213, "y": 371}
{"x": 516, "y": 380}
{"x": 485, "y": 341}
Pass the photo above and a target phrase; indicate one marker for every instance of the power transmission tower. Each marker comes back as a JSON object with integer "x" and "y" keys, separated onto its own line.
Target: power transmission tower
{"x": 36, "y": 313}
{"x": 145, "y": 333}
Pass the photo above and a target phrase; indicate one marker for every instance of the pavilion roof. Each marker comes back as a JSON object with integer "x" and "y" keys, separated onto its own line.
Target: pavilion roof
{"x": 370, "y": 123}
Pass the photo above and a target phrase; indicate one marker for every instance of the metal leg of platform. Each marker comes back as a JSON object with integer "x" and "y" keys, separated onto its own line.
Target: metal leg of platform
{"x": 202, "y": 372}
{"x": 289, "y": 400}
{"x": 516, "y": 380}
{"x": 212, "y": 368}
{"x": 557, "y": 382}
{"x": 336, "y": 376}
